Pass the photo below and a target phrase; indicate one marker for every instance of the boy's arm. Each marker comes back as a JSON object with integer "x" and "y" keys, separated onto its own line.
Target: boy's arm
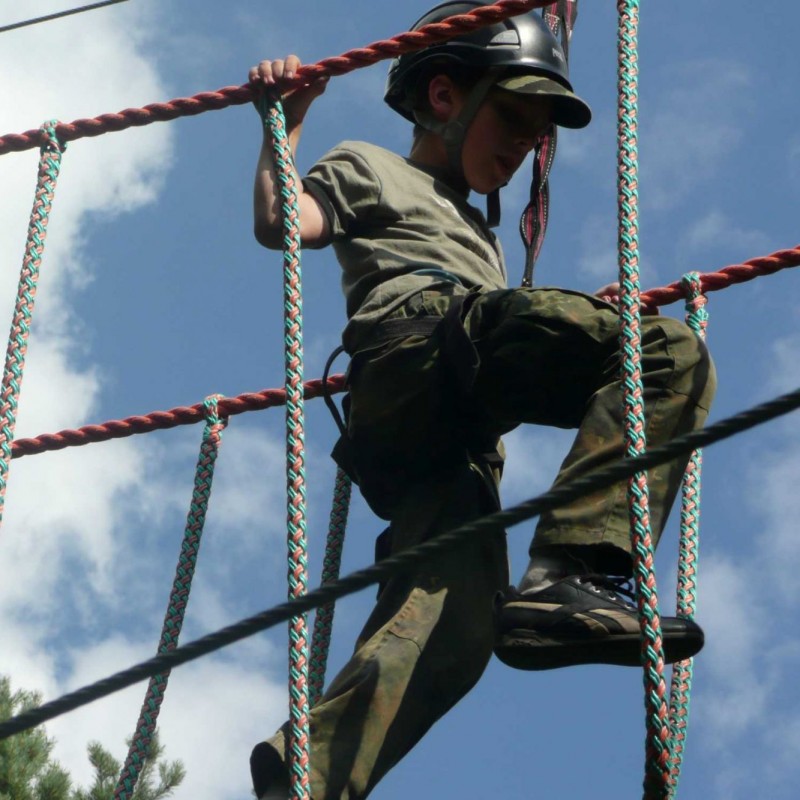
{"x": 314, "y": 227}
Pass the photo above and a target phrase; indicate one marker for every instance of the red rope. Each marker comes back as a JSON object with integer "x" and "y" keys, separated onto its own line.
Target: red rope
{"x": 727, "y": 276}
{"x": 268, "y": 398}
{"x": 160, "y": 420}
{"x": 722, "y": 279}
{"x": 239, "y": 95}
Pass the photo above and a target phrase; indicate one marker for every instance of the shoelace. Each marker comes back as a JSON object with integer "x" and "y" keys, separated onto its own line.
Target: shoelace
{"x": 611, "y": 588}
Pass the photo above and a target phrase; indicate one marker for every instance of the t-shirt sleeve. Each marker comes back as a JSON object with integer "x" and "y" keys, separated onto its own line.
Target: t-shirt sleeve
{"x": 346, "y": 187}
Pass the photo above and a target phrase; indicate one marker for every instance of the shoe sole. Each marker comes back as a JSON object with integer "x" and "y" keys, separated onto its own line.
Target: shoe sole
{"x": 523, "y": 650}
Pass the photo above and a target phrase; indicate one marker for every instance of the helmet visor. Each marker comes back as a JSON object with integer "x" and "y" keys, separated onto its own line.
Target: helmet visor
{"x": 569, "y": 111}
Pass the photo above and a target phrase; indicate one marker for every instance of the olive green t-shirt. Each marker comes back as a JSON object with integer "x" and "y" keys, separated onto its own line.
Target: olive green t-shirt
{"x": 390, "y": 218}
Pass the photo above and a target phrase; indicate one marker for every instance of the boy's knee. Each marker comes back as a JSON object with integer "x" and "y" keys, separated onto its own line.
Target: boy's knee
{"x": 691, "y": 369}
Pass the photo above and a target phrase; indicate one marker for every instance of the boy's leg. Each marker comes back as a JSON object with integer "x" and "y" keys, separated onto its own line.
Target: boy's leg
{"x": 425, "y": 645}
{"x": 552, "y": 357}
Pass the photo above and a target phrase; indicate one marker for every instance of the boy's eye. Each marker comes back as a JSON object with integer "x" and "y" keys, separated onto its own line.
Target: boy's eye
{"x": 506, "y": 114}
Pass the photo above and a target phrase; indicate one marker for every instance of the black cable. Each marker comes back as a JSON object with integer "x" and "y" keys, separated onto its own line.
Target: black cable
{"x": 58, "y": 15}
{"x": 404, "y": 561}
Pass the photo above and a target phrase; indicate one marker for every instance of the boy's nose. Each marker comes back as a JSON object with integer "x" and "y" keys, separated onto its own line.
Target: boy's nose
{"x": 526, "y": 142}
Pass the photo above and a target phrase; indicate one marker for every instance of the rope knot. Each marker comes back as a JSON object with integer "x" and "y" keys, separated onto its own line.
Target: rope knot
{"x": 214, "y": 423}
{"x": 696, "y": 301}
{"x": 50, "y": 140}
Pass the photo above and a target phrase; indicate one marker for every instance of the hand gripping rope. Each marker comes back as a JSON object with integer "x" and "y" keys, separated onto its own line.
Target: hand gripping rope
{"x": 666, "y": 723}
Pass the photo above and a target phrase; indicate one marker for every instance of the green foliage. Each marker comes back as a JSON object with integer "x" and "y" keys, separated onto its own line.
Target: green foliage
{"x": 107, "y": 769}
{"x": 27, "y": 771}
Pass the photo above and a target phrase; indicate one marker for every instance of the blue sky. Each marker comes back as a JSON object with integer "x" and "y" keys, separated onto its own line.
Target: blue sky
{"x": 154, "y": 294}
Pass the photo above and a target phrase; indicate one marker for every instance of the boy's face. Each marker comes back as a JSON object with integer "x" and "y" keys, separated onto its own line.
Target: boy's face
{"x": 505, "y": 129}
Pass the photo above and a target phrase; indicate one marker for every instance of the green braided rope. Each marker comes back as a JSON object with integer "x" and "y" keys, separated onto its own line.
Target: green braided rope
{"x": 657, "y": 713}
{"x": 178, "y": 599}
{"x": 49, "y": 167}
{"x": 682, "y": 672}
{"x": 300, "y": 771}
{"x": 323, "y": 621}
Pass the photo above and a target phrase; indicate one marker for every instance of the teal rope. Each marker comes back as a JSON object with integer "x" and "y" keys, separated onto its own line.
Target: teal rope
{"x": 656, "y": 710}
{"x": 178, "y": 599}
{"x": 682, "y": 672}
{"x": 323, "y": 621}
{"x": 300, "y": 771}
{"x": 49, "y": 168}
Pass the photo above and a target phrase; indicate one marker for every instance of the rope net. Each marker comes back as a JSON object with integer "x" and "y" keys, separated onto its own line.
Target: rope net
{"x": 666, "y": 715}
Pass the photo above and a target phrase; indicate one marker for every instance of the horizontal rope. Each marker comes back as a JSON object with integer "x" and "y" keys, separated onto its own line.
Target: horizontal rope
{"x": 725, "y": 277}
{"x": 405, "y": 561}
{"x": 161, "y": 420}
{"x": 268, "y": 398}
{"x": 357, "y": 58}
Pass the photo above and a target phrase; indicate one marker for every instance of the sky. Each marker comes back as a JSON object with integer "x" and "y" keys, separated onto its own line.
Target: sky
{"x": 154, "y": 294}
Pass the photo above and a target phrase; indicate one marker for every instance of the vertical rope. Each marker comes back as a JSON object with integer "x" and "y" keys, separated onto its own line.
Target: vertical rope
{"x": 656, "y": 710}
{"x": 295, "y": 452}
{"x": 49, "y": 167}
{"x": 682, "y": 672}
{"x": 178, "y": 599}
{"x": 323, "y": 621}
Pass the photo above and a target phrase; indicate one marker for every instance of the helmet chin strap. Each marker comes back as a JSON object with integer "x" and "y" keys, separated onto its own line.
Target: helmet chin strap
{"x": 454, "y": 132}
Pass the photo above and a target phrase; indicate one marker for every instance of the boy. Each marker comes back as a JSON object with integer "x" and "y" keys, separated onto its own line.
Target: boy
{"x": 444, "y": 360}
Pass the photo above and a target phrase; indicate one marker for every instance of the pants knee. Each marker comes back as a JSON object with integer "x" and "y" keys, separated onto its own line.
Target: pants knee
{"x": 680, "y": 359}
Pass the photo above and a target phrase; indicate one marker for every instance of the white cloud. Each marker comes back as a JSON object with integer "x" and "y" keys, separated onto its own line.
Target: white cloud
{"x": 708, "y": 231}
{"x": 599, "y": 260}
{"x": 212, "y": 732}
{"x": 794, "y": 157}
{"x": 785, "y": 375}
{"x": 533, "y": 456}
{"x": 746, "y": 670}
{"x": 773, "y": 484}
{"x": 736, "y": 630}
{"x": 695, "y": 126}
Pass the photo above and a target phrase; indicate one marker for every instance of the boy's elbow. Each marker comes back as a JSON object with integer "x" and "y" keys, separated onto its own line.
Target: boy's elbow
{"x": 267, "y": 236}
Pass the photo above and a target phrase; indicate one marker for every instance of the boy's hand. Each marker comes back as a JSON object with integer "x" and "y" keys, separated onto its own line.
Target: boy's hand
{"x": 281, "y": 75}
{"x": 610, "y": 293}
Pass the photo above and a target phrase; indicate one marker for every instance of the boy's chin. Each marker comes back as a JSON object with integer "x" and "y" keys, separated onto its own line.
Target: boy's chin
{"x": 485, "y": 191}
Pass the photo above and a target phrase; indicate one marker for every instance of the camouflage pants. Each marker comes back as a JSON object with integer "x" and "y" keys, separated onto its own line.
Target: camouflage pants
{"x": 417, "y": 419}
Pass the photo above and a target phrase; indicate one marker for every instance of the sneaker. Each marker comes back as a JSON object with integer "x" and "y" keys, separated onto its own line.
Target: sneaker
{"x": 582, "y": 619}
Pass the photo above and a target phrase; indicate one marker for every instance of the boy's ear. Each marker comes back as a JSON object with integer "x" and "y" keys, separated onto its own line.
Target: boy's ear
{"x": 443, "y": 97}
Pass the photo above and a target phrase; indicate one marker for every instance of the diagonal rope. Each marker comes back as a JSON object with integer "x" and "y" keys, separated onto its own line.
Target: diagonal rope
{"x": 49, "y": 168}
{"x": 406, "y": 42}
{"x": 163, "y": 420}
{"x": 178, "y": 600}
{"x": 58, "y": 15}
{"x": 408, "y": 560}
